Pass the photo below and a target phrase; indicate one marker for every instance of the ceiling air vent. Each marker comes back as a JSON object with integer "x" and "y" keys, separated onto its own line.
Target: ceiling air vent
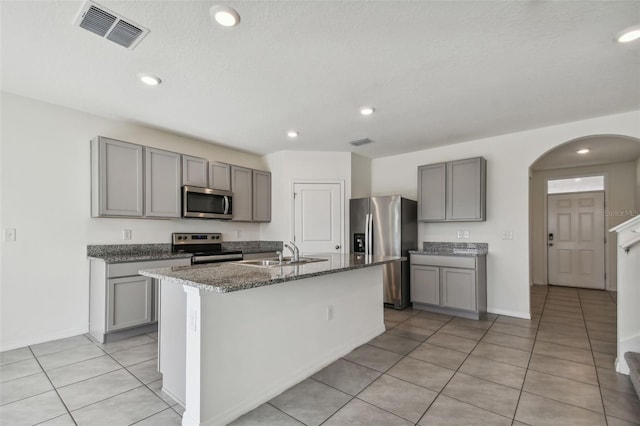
{"x": 360, "y": 142}
{"x": 105, "y": 23}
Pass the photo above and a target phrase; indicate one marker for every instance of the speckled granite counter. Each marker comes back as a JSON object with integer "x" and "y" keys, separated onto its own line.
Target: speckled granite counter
{"x": 452, "y": 249}
{"x": 123, "y": 253}
{"x": 229, "y": 277}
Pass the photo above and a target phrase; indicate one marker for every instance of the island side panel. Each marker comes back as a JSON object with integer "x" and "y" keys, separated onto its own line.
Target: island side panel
{"x": 249, "y": 346}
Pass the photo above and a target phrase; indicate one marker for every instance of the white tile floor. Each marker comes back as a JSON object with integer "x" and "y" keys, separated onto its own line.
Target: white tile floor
{"x": 427, "y": 369}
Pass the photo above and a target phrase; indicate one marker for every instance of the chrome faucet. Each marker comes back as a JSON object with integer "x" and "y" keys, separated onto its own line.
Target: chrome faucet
{"x": 279, "y": 253}
{"x": 295, "y": 252}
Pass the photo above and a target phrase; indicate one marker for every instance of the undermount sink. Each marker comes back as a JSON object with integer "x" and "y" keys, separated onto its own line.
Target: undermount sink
{"x": 274, "y": 261}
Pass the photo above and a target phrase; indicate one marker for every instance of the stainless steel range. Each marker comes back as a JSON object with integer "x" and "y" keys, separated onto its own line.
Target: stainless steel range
{"x": 206, "y": 248}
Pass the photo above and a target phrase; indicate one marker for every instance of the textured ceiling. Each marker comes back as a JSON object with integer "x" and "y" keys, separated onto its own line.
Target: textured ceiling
{"x": 437, "y": 72}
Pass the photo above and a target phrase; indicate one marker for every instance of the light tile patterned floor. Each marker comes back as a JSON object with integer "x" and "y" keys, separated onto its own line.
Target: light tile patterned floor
{"x": 427, "y": 369}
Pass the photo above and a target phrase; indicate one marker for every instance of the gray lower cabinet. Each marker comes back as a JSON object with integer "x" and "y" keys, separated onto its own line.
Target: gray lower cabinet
{"x": 220, "y": 176}
{"x": 162, "y": 183}
{"x": 261, "y": 196}
{"x": 130, "y": 302}
{"x": 121, "y": 302}
{"x": 452, "y": 191}
{"x": 454, "y": 285}
{"x": 116, "y": 178}
{"x": 195, "y": 171}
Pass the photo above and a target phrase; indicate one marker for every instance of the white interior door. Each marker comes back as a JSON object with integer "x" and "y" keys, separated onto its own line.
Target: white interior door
{"x": 318, "y": 217}
{"x": 575, "y": 240}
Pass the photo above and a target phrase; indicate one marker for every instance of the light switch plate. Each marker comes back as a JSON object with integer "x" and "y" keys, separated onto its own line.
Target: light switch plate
{"x": 507, "y": 235}
{"x": 9, "y": 234}
{"x": 126, "y": 234}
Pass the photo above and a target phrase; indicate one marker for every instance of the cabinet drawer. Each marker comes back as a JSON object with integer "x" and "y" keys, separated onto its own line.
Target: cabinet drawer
{"x": 131, "y": 268}
{"x": 445, "y": 261}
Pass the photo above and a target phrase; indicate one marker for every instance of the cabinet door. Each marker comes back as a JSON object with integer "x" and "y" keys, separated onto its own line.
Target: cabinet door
{"x": 162, "y": 183}
{"x": 220, "y": 176}
{"x": 116, "y": 178}
{"x": 458, "y": 288}
{"x": 466, "y": 184}
{"x": 261, "y": 196}
{"x": 195, "y": 171}
{"x": 129, "y": 302}
{"x": 241, "y": 183}
{"x": 432, "y": 192}
{"x": 425, "y": 284}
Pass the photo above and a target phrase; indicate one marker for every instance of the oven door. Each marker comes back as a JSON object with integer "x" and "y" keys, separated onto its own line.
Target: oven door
{"x": 206, "y": 203}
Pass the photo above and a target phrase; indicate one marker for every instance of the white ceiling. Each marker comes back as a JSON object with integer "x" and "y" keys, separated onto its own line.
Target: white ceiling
{"x": 603, "y": 150}
{"x": 438, "y": 72}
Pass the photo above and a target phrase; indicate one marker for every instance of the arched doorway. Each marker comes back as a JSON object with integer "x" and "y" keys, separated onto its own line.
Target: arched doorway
{"x": 615, "y": 160}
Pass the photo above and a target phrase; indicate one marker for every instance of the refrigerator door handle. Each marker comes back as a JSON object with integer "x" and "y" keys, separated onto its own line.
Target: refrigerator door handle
{"x": 369, "y": 234}
{"x": 366, "y": 233}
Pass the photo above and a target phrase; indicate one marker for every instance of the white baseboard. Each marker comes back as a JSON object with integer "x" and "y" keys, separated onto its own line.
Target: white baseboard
{"x": 34, "y": 340}
{"x": 263, "y": 395}
{"x": 631, "y": 344}
{"x": 523, "y": 315}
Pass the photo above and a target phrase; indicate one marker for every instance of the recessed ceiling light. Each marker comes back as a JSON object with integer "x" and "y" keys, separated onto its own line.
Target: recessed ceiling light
{"x": 225, "y": 16}
{"x": 630, "y": 34}
{"x": 583, "y": 151}
{"x": 292, "y": 134}
{"x": 367, "y": 110}
{"x": 151, "y": 80}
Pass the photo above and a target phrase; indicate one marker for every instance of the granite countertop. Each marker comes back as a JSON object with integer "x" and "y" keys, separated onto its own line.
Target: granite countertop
{"x": 230, "y": 276}
{"x": 453, "y": 249}
{"x": 123, "y": 253}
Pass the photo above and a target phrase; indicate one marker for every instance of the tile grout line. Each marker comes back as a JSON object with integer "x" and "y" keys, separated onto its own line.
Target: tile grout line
{"x": 524, "y": 379}
{"x": 604, "y": 410}
{"x": 64, "y": 404}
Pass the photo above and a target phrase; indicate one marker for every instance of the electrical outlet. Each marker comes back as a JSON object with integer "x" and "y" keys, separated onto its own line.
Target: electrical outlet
{"x": 329, "y": 312}
{"x": 237, "y": 233}
{"x": 465, "y": 235}
{"x": 9, "y": 234}
{"x": 507, "y": 235}
{"x": 126, "y": 234}
{"x": 459, "y": 234}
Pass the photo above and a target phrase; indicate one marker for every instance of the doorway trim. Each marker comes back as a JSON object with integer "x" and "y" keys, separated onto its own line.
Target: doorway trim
{"x": 607, "y": 261}
{"x": 341, "y": 182}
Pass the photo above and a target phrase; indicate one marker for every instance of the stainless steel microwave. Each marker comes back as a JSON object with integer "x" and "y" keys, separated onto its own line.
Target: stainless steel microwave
{"x": 206, "y": 203}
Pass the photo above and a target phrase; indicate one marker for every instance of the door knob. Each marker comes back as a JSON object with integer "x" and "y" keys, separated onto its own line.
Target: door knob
{"x": 550, "y": 244}
{"x": 337, "y": 247}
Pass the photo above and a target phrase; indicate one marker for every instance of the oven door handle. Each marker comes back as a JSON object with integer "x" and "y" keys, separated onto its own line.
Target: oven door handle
{"x": 215, "y": 258}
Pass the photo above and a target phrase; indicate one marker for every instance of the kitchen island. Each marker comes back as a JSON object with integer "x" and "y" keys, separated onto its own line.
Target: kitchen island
{"x": 234, "y": 336}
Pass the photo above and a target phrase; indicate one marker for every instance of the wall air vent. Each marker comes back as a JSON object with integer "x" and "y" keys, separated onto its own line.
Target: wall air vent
{"x": 360, "y": 142}
{"x": 105, "y": 23}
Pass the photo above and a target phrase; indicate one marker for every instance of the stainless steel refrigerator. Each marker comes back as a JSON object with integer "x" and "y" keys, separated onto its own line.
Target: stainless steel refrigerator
{"x": 386, "y": 226}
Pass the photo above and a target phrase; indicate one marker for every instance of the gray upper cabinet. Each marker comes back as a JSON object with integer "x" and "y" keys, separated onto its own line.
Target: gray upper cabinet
{"x": 241, "y": 185}
{"x": 261, "y": 196}
{"x": 116, "y": 178}
{"x": 195, "y": 171}
{"x": 162, "y": 183}
{"x": 453, "y": 191}
{"x": 220, "y": 176}
{"x": 432, "y": 192}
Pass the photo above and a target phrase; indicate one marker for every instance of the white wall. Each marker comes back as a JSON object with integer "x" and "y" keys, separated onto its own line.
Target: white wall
{"x": 508, "y": 160}
{"x": 360, "y": 176}
{"x": 289, "y": 166}
{"x": 45, "y": 195}
{"x": 620, "y": 197}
